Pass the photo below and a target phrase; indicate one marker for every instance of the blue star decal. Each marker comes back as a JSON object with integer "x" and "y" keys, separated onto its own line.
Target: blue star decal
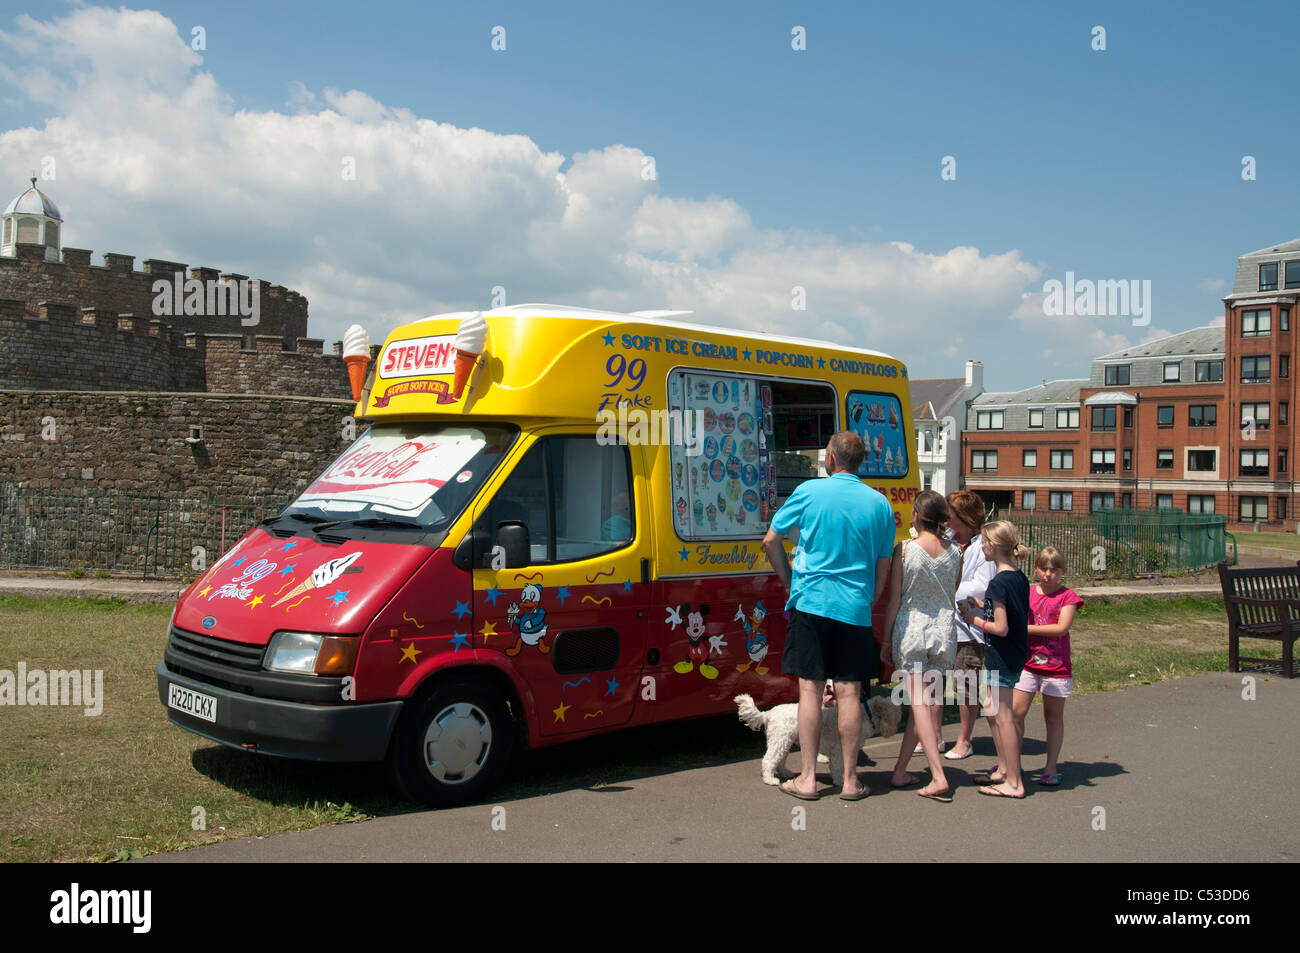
{"x": 745, "y": 354}
{"x": 903, "y": 372}
{"x": 459, "y": 642}
{"x": 821, "y": 362}
{"x": 491, "y": 595}
{"x": 339, "y": 596}
{"x": 462, "y": 609}
{"x": 609, "y": 339}
{"x": 627, "y": 586}
{"x": 683, "y": 553}
{"x": 240, "y": 560}
{"x": 562, "y": 593}
{"x": 289, "y": 545}
{"x": 611, "y": 686}
{"x": 286, "y": 570}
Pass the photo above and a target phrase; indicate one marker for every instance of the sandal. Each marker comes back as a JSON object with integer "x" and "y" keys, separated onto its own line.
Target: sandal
{"x": 994, "y": 792}
{"x": 1048, "y": 780}
{"x": 799, "y": 794}
{"x": 944, "y": 798}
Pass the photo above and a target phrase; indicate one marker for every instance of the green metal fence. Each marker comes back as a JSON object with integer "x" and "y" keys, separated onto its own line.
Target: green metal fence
{"x": 117, "y": 531}
{"x": 1127, "y": 543}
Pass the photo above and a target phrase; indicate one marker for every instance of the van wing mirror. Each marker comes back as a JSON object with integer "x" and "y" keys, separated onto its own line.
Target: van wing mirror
{"x": 512, "y": 536}
{"x": 473, "y": 550}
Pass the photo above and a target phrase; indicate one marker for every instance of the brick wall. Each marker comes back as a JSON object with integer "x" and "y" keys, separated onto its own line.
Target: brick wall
{"x": 136, "y": 441}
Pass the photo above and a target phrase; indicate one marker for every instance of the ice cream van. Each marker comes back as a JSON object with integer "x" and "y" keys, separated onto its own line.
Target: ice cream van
{"x": 550, "y": 529}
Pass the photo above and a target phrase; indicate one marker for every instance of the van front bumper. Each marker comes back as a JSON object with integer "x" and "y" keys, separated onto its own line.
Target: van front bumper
{"x": 287, "y": 729}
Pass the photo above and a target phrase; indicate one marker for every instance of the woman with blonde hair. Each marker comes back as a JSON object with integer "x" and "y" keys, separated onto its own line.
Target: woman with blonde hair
{"x": 1005, "y": 624}
{"x": 965, "y": 521}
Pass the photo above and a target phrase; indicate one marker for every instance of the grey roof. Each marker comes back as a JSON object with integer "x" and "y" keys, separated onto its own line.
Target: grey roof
{"x": 1195, "y": 341}
{"x": 1247, "y": 279}
{"x": 935, "y": 395}
{"x": 1052, "y": 392}
{"x": 34, "y": 202}
{"x": 1111, "y": 397}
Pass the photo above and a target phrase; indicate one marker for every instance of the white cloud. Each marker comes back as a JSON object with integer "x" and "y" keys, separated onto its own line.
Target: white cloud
{"x": 155, "y": 159}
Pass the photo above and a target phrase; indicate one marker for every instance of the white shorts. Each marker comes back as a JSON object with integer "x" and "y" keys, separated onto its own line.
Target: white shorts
{"x": 1056, "y": 687}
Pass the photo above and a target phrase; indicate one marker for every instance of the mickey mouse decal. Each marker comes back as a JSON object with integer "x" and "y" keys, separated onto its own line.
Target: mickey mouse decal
{"x": 699, "y": 649}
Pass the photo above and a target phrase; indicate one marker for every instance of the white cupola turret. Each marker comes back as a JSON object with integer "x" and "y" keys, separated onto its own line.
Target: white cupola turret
{"x": 33, "y": 219}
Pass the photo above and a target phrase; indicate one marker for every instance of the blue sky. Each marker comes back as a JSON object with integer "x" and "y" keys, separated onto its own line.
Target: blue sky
{"x": 1124, "y": 163}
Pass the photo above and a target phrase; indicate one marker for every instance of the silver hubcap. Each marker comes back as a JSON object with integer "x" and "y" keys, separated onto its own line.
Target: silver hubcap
{"x": 457, "y": 743}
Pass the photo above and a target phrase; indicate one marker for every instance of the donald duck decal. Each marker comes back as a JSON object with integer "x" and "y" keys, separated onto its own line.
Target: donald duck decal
{"x": 755, "y": 640}
{"x": 528, "y": 619}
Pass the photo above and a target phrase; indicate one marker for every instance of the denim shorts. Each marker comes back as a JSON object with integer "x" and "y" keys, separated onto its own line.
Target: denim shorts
{"x": 1000, "y": 679}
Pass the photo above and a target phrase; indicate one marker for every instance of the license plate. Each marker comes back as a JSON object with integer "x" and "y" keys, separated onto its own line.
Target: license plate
{"x": 192, "y": 703}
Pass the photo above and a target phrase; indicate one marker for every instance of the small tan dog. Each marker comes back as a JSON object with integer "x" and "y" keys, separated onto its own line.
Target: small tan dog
{"x": 880, "y": 716}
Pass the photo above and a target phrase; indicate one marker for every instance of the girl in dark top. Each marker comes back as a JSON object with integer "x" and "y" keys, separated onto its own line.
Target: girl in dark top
{"x": 1005, "y": 623}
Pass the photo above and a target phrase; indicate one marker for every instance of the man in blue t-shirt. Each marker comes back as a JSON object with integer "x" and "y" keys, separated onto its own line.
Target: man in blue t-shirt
{"x": 843, "y": 532}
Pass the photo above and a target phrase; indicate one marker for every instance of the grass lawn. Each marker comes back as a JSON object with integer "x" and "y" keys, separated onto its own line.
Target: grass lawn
{"x": 127, "y": 782}
{"x": 1249, "y": 540}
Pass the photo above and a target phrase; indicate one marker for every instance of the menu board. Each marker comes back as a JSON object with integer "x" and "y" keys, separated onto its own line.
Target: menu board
{"x": 729, "y": 488}
{"x": 878, "y": 418}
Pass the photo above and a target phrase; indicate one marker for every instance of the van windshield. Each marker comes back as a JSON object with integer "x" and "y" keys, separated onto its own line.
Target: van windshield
{"x": 417, "y": 474}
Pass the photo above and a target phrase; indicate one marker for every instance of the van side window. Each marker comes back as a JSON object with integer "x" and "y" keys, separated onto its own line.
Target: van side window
{"x": 574, "y": 496}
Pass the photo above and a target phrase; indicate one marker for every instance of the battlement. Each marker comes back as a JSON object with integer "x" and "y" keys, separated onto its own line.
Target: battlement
{"x": 64, "y": 347}
{"x": 200, "y": 299}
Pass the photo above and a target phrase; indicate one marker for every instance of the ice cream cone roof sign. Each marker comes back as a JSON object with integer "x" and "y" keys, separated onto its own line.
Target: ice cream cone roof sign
{"x": 356, "y": 354}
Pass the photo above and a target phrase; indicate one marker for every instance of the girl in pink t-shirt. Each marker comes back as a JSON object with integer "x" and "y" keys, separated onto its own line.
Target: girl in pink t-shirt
{"x": 1051, "y": 611}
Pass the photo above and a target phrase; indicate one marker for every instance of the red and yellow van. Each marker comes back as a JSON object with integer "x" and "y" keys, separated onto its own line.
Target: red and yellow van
{"x": 569, "y": 545}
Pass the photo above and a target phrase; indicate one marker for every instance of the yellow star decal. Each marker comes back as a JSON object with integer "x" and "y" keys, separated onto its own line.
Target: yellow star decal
{"x": 559, "y": 712}
{"x": 205, "y": 590}
{"x": 409, "y": 652}
{"x": 255, "y": 601}
{"x": 488, "y": 629}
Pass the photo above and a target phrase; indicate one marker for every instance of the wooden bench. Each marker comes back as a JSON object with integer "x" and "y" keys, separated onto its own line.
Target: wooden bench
{"x": 1262, "y": 604}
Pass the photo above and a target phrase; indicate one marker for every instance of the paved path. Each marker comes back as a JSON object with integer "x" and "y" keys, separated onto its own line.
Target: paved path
{"x": 1184, "y": 770}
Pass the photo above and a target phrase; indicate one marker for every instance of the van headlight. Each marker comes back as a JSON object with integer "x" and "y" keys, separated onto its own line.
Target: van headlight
{"x": 307, "y": 653}
{"x": 293, "y": 653}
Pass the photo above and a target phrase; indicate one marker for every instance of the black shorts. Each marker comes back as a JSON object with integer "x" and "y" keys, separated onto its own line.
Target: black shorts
{"x": 818, "y": 648}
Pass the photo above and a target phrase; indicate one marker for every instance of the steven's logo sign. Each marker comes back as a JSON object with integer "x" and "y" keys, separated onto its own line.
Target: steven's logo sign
{"x": 419, "y": 357}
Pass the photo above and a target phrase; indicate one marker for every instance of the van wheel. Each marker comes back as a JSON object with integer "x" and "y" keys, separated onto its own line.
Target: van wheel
{"x": 452, "y": 743}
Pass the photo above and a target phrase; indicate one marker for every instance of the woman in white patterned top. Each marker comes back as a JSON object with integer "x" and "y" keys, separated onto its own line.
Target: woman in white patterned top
{"x": 921, "y": 620}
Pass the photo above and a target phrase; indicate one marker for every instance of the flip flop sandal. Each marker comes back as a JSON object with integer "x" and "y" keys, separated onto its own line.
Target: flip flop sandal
{"x": 941, "y": 798}
{"x": 1048, "y": 780}
{"x": 994, "y": 792}
{"x": 861, "y": 795}
{"x": 799, "y": 794}
{"x": 986, "y": 780}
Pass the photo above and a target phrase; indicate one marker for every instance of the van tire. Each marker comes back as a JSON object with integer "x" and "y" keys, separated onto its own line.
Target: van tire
{"x": 462, "y": 724}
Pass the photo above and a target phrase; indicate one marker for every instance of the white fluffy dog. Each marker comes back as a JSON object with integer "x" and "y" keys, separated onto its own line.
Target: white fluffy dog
{"x": 880, "y": 716}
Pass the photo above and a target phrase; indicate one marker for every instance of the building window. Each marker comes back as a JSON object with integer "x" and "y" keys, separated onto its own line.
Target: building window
{"x": 984, "y": 461}
{"x": 1254, "y": 416}
{"x": 1062, "y": 460}
{"x": 1165, "y": 416}
{"x": 1281, "y": 507}
{"x": 1201, "y": 461}
{"x": 1128, "y": 416}
{"x": 1284, "y": 319}
{"x": 1103, "y": 461}
{"x": 1281, "y": 413}
{"x": 1101, "y": 501}
{"x": 1036, "y": 417}
{"x": 1103, "y": 418}
{"x": 1060, "y": 501}
{"x": 1200, "y": 504}
{"x": 1117, "y": 375}
{"x": 1202, "y": 415}
{"x": 1292, "y": 275}
{"x": 1284, "y": 365}
{"x": 1164, "y": 501}
{"x": 1268, "y": 276}
{"x": 1255, "y": 370}
{"x": 1128, "y": 459}
{"x": 1067, "y": 418}
{"x": 1173, "y": 372}
{"x": 1029, "y": 500}
{"x": 1251, "y": 508}
{"x": 1126, "y": 501}
{"x": 988, "y": 420}
{"x": 1165, "y": 459}
{"x": 1255, "y": 324}
{"x": 1281, "y": 461}
{"x": 1209, "y": 371}
{"x": 1254, "y": 463}
{"x": 1030, "y": 458}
